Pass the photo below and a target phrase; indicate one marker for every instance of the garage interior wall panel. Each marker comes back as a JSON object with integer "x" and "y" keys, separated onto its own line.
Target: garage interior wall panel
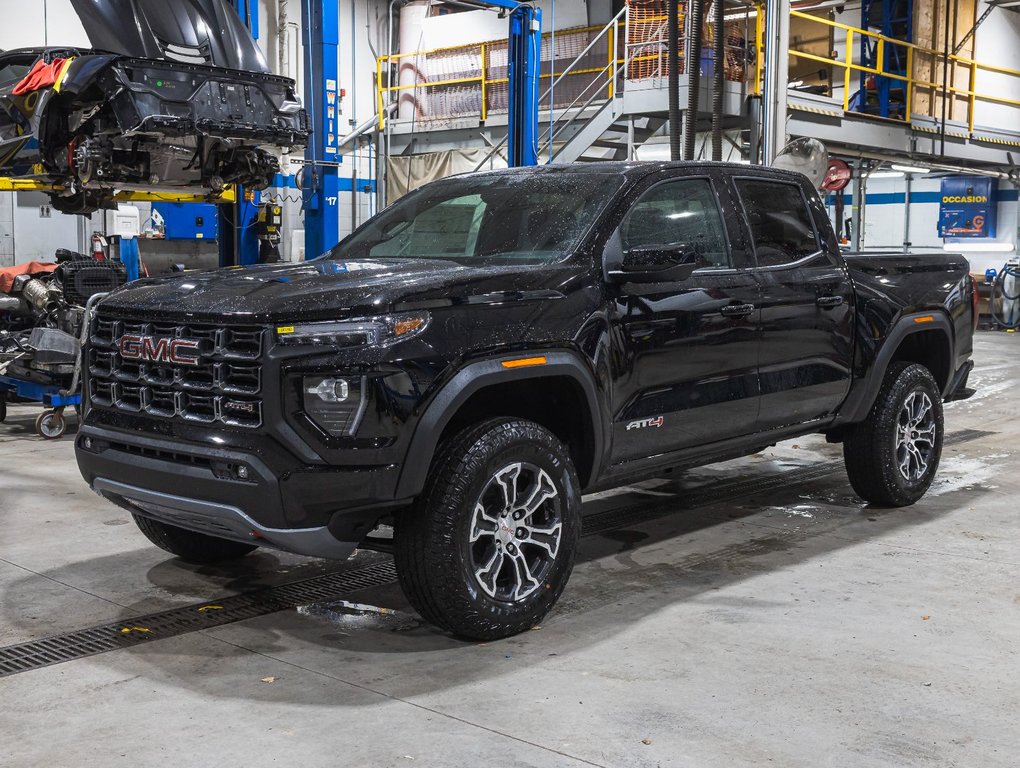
{"x": 816, "y": 39}
{"x": 24, "y": 25}
{"x": 884, "y": 217}
{"x": 930, "y": 20}
{"x": 998, "y": 43}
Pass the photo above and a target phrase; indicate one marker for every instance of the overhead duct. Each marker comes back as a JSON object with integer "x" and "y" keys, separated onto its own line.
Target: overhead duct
{"x": 718, "y": 79}
{"x": 412, "y": 17}
{"x": 693, "y": 59}
{"x": 673, "y": 53}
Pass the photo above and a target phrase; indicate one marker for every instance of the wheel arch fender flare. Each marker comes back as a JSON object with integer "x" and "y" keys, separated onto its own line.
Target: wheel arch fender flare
{"x": 859, "y": 403}
{"x": 475, "y": 377}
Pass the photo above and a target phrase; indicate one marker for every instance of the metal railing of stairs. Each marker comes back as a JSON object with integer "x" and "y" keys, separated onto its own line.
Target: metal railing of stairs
{"x": 572, "y": 112}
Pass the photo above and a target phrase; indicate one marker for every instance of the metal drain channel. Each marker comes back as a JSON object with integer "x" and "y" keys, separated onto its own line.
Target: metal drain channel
{"x": 138, "y": 630}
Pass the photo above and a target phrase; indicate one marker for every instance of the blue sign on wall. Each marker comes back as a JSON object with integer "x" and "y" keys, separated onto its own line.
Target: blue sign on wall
{"x": 967, "y": 207}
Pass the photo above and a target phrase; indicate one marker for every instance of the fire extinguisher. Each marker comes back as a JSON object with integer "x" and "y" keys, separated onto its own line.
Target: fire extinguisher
{"x": 98, "y": 247}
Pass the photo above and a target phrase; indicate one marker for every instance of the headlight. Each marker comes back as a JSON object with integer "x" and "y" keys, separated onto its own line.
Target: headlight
{"x": 369, "y": 331}
{"x": 334, "y": 403}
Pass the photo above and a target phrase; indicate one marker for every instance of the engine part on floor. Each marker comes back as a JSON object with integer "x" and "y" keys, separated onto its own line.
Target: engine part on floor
{"x": 36, "y": 293}
{"x": 83, "y": 277}
{"x": 10, "y": 304}
{"x": 1006, "y": 287}
{"x": 53, "y": 347}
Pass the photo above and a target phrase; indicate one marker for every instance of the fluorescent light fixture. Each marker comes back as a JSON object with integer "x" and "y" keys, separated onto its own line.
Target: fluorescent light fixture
{"x": 886, "y": 175}
{"x": 910, "y": 168}
{"x": 982, "y": 247}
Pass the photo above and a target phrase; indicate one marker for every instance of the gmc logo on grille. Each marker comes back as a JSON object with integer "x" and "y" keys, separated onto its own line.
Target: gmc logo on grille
{"x": 159, "y": 350}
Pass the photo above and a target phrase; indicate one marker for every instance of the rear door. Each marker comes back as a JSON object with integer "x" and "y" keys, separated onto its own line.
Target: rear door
{"x": 687, "y": 372}
{"x": 806, "y": 303}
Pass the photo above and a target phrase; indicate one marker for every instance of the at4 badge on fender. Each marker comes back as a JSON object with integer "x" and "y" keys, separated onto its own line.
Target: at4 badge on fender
{"x": 642, "y": 423}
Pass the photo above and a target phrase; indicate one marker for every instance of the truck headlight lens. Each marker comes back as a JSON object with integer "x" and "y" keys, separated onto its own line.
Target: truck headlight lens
{"x": 367, "y": 331}
{"x": 333, "y": 403}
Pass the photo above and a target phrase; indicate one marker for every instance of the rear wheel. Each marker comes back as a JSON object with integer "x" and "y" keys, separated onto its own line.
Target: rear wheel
{"x": 188, "y": 545}
{"x": 487, "y": 550}
{"x": 892, "y": 456}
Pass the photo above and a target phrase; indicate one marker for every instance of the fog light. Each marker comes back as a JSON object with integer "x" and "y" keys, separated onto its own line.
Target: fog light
{"x": 242, "y": 471}
{"x": 87, "y": 442}
{"x": 334, "y": 404}
{"x": 329, "y": 390}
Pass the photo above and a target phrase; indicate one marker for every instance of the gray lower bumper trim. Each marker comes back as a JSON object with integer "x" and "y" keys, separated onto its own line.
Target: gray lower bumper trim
{"x": 224, "y": 521}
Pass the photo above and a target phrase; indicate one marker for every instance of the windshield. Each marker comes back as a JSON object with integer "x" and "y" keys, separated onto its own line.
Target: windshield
{"x": 533, "y": 217}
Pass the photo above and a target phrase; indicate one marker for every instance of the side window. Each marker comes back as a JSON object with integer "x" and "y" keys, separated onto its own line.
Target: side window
{"x": 681, "y": 212}
{"x": 779, "y": 219}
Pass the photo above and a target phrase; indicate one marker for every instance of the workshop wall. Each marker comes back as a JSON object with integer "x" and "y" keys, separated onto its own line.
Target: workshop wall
{"x": 39, "y": 22}
{"x": 884, "y": 219}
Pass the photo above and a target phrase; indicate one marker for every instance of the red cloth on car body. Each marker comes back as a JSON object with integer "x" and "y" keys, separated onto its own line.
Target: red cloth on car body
{"x": 42, "y": 75}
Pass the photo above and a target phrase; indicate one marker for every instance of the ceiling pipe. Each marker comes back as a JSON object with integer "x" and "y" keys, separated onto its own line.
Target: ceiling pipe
{"x": 673, "y": 68}
{"x": 692, "y": 63}
{"x": 718, "y": 80}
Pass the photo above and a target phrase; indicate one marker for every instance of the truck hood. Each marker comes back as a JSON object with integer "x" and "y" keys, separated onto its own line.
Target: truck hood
{"x": 187, "y": 31}
{"x": 328, "y": 289}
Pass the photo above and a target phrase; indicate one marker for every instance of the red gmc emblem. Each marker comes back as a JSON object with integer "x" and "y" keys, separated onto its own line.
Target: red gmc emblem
{"x": 159, "y": 350}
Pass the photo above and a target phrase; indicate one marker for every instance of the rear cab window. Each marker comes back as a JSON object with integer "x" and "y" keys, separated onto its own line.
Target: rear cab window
{"x": 779, "y": 220}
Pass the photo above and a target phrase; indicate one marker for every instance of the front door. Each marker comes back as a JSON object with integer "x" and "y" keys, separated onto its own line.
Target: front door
{"x": 686, "y": 372}
{"x": 806, "y": 305}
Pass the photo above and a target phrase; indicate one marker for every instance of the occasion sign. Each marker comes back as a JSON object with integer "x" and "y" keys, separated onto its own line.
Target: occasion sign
{"x": 967, "y": 207}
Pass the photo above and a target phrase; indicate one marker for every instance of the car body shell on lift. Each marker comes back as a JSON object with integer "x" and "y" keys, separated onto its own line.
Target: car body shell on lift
{"x": 172, "y": 96}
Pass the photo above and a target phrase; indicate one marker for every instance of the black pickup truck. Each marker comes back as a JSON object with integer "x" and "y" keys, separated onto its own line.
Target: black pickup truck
{"x": 474, "y": 358}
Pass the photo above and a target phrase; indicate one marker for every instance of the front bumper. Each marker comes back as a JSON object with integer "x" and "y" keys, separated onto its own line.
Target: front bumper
{"x": 309, "y": 510}
{"x": 222, "y": 520}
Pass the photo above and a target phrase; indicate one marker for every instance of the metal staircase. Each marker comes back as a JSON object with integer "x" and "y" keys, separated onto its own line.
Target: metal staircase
{"x": 609, "y": 135}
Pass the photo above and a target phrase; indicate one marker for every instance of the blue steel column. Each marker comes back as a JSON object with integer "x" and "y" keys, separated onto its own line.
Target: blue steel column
{"x": 320, "y": 19}
{"x": 525, "y": 52}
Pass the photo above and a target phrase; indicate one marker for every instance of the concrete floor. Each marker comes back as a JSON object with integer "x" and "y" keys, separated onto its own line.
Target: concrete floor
{"x": 792, "y": 627}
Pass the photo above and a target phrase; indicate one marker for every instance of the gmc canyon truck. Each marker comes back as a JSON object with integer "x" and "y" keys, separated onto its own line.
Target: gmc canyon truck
{"x": 475, "y": 357}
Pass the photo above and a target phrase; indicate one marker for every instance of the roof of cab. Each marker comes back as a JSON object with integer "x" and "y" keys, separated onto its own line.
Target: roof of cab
{"x": 638, "y": 168}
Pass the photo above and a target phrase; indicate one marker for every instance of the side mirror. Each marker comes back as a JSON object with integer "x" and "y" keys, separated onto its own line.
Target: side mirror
{"x": 657, "y": 263}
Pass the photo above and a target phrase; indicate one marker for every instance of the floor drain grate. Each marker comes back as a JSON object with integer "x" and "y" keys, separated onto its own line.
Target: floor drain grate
{"x": 139, "y": 630}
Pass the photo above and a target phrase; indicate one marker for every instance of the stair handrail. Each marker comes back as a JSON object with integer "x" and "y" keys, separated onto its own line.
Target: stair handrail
{"x": 580, "y": 110}
{"x": 570, "y": 67}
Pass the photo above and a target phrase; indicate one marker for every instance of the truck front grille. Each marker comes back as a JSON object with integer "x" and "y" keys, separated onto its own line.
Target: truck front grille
{"x": 193, "y": 372}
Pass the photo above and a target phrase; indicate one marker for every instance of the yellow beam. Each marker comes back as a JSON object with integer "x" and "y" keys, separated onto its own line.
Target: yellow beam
{"x": 26, "y": 185}
{"x": 228, "y": 195}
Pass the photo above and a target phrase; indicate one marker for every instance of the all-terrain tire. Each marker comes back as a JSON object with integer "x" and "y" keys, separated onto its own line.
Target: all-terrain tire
{"x": 443, "y": 543}
{"x": 189, "y": 545}
{"x": 874, "y": 451}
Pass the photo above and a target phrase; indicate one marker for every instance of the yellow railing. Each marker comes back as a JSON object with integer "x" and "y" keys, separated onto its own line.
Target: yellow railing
{"x": 633, "y": 46}
{"x": 848, "y": 67}
{"x": 485, "y": 75}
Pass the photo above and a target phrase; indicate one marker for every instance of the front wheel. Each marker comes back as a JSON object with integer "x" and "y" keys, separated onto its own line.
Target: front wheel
{"x": 487, "y": 550}
{"x": 892, "y": 456}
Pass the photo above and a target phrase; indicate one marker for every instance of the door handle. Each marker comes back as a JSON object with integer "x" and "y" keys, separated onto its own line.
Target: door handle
{"x": 827, "y": 302}
{"x": 736, "y": 310}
